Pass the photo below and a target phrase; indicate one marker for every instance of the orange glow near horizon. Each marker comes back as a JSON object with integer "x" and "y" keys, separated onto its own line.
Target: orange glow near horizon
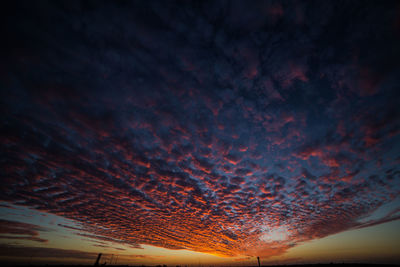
{"x": 350, "y": 246}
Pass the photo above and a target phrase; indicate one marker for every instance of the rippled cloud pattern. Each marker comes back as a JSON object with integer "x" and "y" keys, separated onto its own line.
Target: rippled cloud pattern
{"x": 231, "y": 128}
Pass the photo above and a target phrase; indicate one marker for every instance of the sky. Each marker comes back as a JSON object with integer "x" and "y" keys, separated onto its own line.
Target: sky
{"x": 200, "y": 133}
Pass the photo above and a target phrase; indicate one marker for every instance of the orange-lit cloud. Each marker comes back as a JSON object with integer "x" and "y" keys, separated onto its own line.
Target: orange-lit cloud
{"x": 237, "y": 135}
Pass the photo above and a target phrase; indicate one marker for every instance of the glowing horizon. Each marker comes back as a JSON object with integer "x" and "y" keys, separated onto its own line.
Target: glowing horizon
{"x": 316, "y": 251}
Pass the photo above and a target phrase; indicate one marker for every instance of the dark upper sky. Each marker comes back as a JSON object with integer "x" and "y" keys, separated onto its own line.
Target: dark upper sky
{"x": 202, "y": 125}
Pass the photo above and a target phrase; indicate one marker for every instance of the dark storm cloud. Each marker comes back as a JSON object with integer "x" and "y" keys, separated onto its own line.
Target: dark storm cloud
{"x": 202, "y": 125}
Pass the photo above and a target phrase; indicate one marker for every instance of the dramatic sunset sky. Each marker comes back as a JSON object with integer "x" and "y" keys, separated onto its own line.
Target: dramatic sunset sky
{"x": 200, "y": 132}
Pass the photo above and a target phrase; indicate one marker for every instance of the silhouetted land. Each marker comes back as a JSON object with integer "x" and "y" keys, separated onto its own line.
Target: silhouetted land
{"x": 288, "y": 265}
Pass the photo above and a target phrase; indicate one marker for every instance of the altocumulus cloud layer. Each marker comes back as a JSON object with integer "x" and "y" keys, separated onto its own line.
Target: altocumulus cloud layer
{"x": 208, "y": 126}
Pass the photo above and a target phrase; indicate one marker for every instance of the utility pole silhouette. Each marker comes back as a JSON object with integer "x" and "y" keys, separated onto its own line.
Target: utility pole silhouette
{"x": 116, "y": 260}
{"x": 98, "y": 260}
{"x": 258, "y": 259}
